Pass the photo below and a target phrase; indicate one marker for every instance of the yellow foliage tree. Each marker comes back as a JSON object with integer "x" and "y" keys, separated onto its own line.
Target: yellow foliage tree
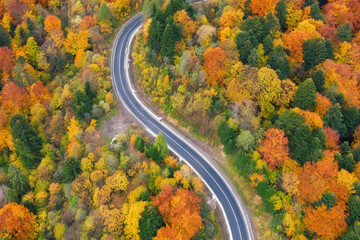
{"x": 118, "y": 181}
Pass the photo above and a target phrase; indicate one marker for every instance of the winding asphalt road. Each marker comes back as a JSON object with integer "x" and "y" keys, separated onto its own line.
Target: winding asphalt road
{"x": 236, "y": 216}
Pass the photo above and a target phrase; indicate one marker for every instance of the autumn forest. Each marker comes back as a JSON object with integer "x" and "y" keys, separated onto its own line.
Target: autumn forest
{"x": 60, "y": 178}
{"x": 274, "y": 84}
{"x": 271, "y": 84}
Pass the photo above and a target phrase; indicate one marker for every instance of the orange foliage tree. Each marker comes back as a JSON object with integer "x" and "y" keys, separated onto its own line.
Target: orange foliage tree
{"x": 326, "y": 223}
{"x": 322, "y": 104}
{"x": 18, "y": 221}
{"x": 214, "y": 65}
{"x": 274, "y": 148}
{"x": 293, "y": 42}
{"x": 262, "y": 7}
{"x": 181, "y": 212}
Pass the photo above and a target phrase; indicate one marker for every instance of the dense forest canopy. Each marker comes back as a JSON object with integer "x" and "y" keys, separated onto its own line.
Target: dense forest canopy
{"x": 59, "y": 177}
{"x": 277, "y": 83}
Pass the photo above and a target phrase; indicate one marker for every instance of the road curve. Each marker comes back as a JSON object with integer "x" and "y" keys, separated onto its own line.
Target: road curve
{"x": 236, "y": 216}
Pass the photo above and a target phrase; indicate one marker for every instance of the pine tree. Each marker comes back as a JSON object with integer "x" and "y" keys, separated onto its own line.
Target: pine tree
{"x": 304, "y": 146}
{"x": 245, "y": 41}
{"x": 268, "y": 45}
{"x": 27, "y": 142}
{"x": 315, "y": 12}
{"x": 319, "y": 80}
{"x": 253, "y": 58}
{"x": 281, "y": 14}
{"x": 4, "y": 37}
{"x": 334, "y": 119}
{"x": 279, "y": 62}
{"x": 305, "y": 95}
{"x": 155, "y": 32}
{"x": 18, "y": 182}
{"x": 344, "y": 32}
{"x": 170, "y": 37}
{"x": 315, "y": 51}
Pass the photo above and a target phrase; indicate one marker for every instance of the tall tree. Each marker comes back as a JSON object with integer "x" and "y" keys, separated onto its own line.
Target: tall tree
{"x": 305, "y": 147}
{"x": 4, "y": 37}
{"x": 27, "y": 141}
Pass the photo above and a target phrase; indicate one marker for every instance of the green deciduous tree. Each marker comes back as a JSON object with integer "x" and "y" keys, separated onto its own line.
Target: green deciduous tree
{"x": 161, "y": 145}
{"x": 27, "y": 141}
{"x": 105, "y": 13}
{"x": 305, "y": 95}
